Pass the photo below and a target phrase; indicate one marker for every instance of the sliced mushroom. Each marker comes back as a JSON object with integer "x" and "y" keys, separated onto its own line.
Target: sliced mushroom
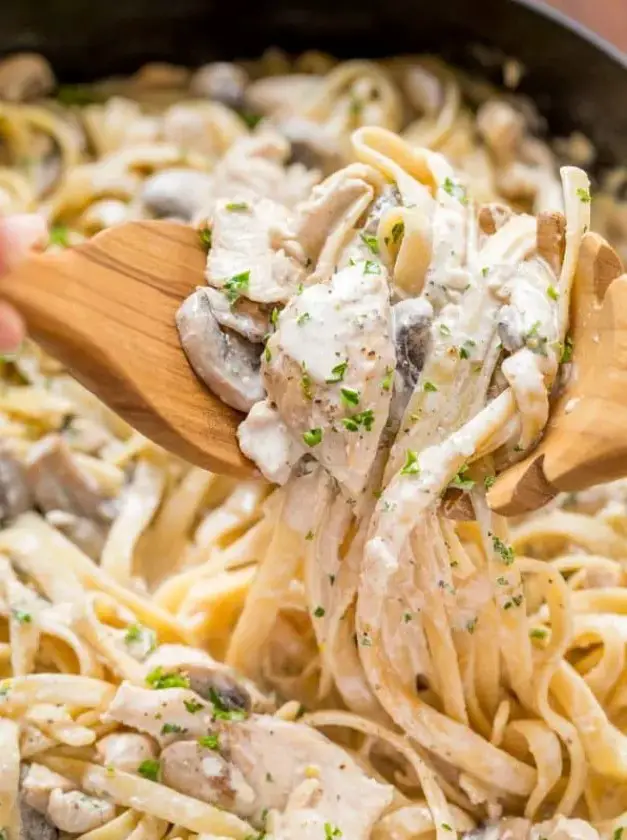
{"x": 219, "y": 687}
{"x": 76, "y": 812}
{"x": 25, "y": 76}
{"x": 221, "y": 81}
{"x": 202, "y": 773}
{"x": 37, "y": 783}
{"x": 57, "y": 483}
{"x": 412, "y": 336}
{"x": 224, "y": 361}
{"x": 312, "y": 144}
{"x": 178, "y": 193}
{"x": 551, "y": 236}
{"x": 511, "y": 328}
{"x": 15, "y": 495}
{"x": 246, "y": 317}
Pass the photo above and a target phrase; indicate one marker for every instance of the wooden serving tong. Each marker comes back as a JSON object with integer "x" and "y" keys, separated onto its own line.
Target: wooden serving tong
{"x": 106, "y": 310}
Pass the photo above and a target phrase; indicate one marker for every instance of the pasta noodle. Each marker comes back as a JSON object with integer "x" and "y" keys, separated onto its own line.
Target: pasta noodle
{"x": 325, "y": 652}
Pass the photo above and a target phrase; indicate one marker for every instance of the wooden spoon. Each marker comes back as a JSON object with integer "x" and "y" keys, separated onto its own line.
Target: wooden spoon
{"x": 106, "y": 310}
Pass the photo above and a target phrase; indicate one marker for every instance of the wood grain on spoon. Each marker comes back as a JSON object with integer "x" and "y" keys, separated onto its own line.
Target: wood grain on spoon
{"x": 106, "y": 311}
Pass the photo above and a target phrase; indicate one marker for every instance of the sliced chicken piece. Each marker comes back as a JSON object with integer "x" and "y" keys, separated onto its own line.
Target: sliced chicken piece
{"x": 204, "y": 774}
{"x": 249, "y": 319}
{"x": 38, "y": 783}
{"x": 76, "y": 813}
{"x": 266, "y": 440}
{"x": 15, "y": 495}
{"x": 221, "y": 81}
{"x": 209, "y": 678}
{"x": 493, "y": 216}
{"x": 243, "y": 259}
{"x": 276, "y": 757}
{"x": 312, "y": 144}
{"x": 178, "y": 193}
{"x": 282, "y": 96}
{"x": 222, "y": 359}
{"x": 149, "y": 711}
{"x": 125, "y": 750}
{"x": 25, "y": 76}
{"x": 57, "y": 483}
{"x": 327, "y": 369}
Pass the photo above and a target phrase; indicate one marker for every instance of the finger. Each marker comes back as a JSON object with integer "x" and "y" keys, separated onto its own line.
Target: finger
{"x": 11, "y": 329}
{"x": 19, "y": 234}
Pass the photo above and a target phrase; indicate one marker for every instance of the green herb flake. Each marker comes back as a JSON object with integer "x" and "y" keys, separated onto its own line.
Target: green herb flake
{"x": 337, "y": 374}
{"x": 446, "y": 827}
{"x": 306, "y": 386}
{"x": 79, "y": 95}
{"x": 235, "y": 286}
{"x": 502, "y": 581}
{"x": 192, "y": 706}
{"x": 303, "y": 318}
{"x": 398, "y": 229}
{"x": 462, "y": 481}
{"x": 429, "y": 386}
{"x": 371, "y": 242}
{"x": 506, "y": 551}
{"x": 159, "y": 679}
{"x": 319, "y": 612}
{"x": 444, "y": 329}
{"x": 133, "y": 634}
{"x": 251, "y": 119}
{"x": 364, "y": 419}
{"x": 350, "y": 396}
{"x": 274, "y": 317}
{"x": 223, "y": 712}
{"x": 212, "y": 742}
{"x": 237, "y": 207}
{"x": 584, "y": 195}
{"x": 172, "y": 729}
{"x": 455, "y": 190}
{"x": 372, "y": 267}
{"x": 149, "y": 769}
{"x": 267, "y": 354}
{"x": 309, "y": 536}
{"x": 407, "y": 617}
{"x": 471, "y": 625}
{"x": 538, "y": 633}
{"x": 553, "y": 293}
{"x": 331, "y": 831}
{"x": 388, "y": 379}
{"x": 485, "y": 271}
{"x": 59, "y": 235}
{"x": 313, "y": 437}
{"x": 22, "y": 617}
{"x": 618, "y": 833}
{"x": 205, "y": 236}
{"x": 488, "y": 481}
{"x": 411, "y": 465}
{"x": 567, "y": 352}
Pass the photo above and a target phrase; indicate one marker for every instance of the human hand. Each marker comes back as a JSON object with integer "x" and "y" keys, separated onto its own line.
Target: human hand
{"x": 19, "y": 234}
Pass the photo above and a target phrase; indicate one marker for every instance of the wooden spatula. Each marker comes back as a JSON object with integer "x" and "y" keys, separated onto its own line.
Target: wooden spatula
{"x": 106, "y": 311}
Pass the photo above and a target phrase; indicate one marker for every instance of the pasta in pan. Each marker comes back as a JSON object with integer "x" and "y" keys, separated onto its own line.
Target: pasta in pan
{"x": 326, "y": 652}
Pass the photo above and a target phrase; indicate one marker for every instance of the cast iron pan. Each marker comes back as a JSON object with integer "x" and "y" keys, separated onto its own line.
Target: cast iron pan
{"x": 577, "y": 80}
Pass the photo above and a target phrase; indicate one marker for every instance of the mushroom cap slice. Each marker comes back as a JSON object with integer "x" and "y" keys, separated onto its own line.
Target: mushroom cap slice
{"x": 226, "y": 362}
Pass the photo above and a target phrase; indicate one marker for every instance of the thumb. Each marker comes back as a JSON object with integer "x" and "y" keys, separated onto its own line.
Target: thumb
{"x": 19, "y": 234}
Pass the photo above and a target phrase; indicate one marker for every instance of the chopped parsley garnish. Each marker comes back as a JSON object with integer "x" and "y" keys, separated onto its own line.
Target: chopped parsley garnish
{"x": 502, "y": 581}
{"x": 172, "y": 729}
{"x": 444, "y": 329}
{"x": 506, "y": 551}
{"x": 371, "y": 242}
{"x": 305, "y": 386}
{"x": 618, "y": 833}
{"x": 398, "y": 229}
{"x": 337, "y": 374}
{"x": 429, "y": 386}
{"x": 21, "y": 616}
{"x": 250, "y": 118}
{"x": 149, "y": 769}
{"x": 78, "y": 95}
{"x": 237, "y": 206}
{"x": 446, "y": 827}
{"x": 59, "y": 236}
{"x": 411, "y": 466}
{"x": 350, "y": 396}
{"x": 553, "y": 293}
{"x": 471, "y": 625}
{"x": 332, "y": 579}
{"x": 583, "y": 195}
{"x": 205, "y": 236}
{"x": 3, "y": 834}
{"x": 212, "y": 742}
{"x": 274, "y": 317}
{"x": 319, "y": 612}
{"x": 313, "y": 437}
{"x": 302, "y": 318}
{"x": 538, "y": 633}
{"x": 388, "y": 380}
{"x": 456, "y": 190}
{"x": 372, "y": 267}
{"x": 515, "y": 602}
{"x": 567, "y": 352}
{"x": 223, "y": 712}
{"x": 461, "y": 480}
{"x": 356, "y": 421}
{"x": 133, "y": 634}
{"x": 309, "y": 535}
{"x": 407, "y": 617}
{"x": 267, "y": 354}
{"x": 488, "y": 481}
{"x": 192, "y": 706}
{"x": 464, "y": 350}
{"x": 536, "y": 342}
{"x": 331, "y": 831}
{"x": 485, "y": 271}
{"x": 235, "y": 286}
{"x": 159, "y": 679}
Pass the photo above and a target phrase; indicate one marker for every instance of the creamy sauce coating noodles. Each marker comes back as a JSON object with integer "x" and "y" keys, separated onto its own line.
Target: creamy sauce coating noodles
{"x": 325, "y": 654}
